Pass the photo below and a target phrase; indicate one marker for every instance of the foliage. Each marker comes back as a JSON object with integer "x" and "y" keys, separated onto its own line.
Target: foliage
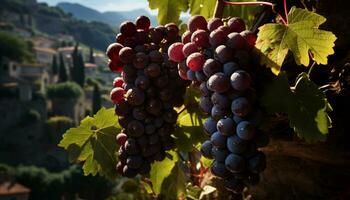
{"x": 78, "y": 70}
{"x": 62, "y": 74}
{"x": 93, "y": 143}
{"x": 96, "y": 99}
{"x": 54, "y": 65}
{"x": 58, "y": 121}
{"x": 170, "y": 10}
{"x": 301, "y": 36}
{"x": 306, "y": 106}
{"x": 14, "y": 47}
{"x": 66, "y": 90}
{"x": 30, "y": 116}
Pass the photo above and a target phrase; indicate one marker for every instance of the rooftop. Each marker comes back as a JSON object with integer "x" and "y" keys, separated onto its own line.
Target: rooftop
{"x": 8, "y": 188}
{"x": 90, "y": 65}
{"x": 63, "y": 49}
{"x": 46, "y": 50}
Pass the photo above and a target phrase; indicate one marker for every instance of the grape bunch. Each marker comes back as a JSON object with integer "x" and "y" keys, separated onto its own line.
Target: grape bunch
{"x": 146, "y": 93}
{"x": 217, "y": 55}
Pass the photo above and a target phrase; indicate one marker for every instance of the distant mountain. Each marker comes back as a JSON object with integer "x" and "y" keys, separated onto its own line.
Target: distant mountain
{"x": 112, "y": 18}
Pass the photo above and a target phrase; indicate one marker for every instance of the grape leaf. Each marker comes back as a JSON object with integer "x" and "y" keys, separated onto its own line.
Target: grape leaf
{"x": 301, "y": 36}
{"x": 203, "y": 8}
{"x": 93, "y": 143}
{"x": 189, "y": 132}
{"x": 247, "y": 13}
{"x": 168, "y": 10}
{"x": 161, "y": 170}
{"x": 306, "y": 106}
{"x": 174, "y": 186}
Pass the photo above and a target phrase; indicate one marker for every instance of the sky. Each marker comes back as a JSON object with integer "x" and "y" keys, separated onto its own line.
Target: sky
{"x": 107, "y": 5}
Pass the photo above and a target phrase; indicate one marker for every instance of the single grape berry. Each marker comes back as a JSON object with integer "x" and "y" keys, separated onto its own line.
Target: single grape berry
{"x": 113, "y": 51}
{"x": 135, "y": 128}
{"x": 220, "y": 154}
{"x": 127, "y": 28}
{"x": 218, "y": 83}
{"x": 197, "y": 22}
{"x": 143, "y": 22}
{"x": 211, "y": 66}
{"x": 195, "y": 61}
{"x": 224, "y": 54}
{"x": 219, "y": 169}
{"x": 217, "y": 37}
{"x": 115, "y": 66}
{"x": 122, "y": 108}
{"x": 229, "y": 68}
{"x": 226, "y": 126}
{"x": 235, "y": 41}
{"x": 189, "y": 48}
{"x": 214, "y": 23}
{"x": 241, "y": 107}
{"x": 118, "y": 82}
{"x": 200, "y": 38}
{"x": 205, "y": 105}
{"x": 206, "y": 149}
{"x": 236, "y": 145}
{"x": 218, "y": 112}
{"x": 121, "y": 138}
{"x": 210, "y": 126}
{"x": 175, "y": 52}
{"x": 126, "y": 55}
{"x": 140, "y": 60}
{"x": 240, "y": 80}
{"x": 220, "y": 100}
{"x": 135, "y": 96}
{"x": 249, "y": 37}
{"x": 186, "y": 37}
{"x": 218, "y": 140}
{"x": 117, "y": 94}
{"x": 245, "y": 130}
{"x": 152, "y": 70}
{"x": 235, "y": 163}
{"x": 236, "y": 24}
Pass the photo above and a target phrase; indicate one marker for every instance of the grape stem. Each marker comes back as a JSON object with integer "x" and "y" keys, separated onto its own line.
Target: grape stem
{"x": 285, "y": 10}
{"x": 259, "y": 3}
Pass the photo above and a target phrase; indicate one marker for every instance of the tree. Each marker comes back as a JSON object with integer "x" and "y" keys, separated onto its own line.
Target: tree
{"x": 96, "y": 99}
{"x": 91, "y": 56}
{"x": 54, "y": 65}
{"x": 63, "y": 75}
{"x": 14, "y": 47}
{"x": 78, "y": 70}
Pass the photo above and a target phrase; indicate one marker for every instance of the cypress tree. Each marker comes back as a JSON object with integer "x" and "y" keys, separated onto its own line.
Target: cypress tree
{"x": 54, "y": 65}
{"x": 78, "y": 70}
{"x": 96, "y": 99}
{"x": 63, "y": 75}
{"x": 91, "y": 56}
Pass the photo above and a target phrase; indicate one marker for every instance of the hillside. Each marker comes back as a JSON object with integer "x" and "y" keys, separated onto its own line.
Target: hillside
{"x": 112, "y": 18}
{"x": 52, "y": 20}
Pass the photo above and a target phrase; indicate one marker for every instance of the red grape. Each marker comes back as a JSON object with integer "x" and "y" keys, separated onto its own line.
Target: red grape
{"x": 117, "y": 94}
{"x": 121, "y": 138}
{"x": 143, "y": 22}
{"x": 127, "y": 28}
{"x": 236, "y": 24}
{"x": 175, "y": 52}
{"x": 118, "y": 82}
{"x": 115, "y": 66}
{"x": 113, "y": 51}
{"x": 197, "y": 22}
{"x": 195, "y": 61}
{"x": 186, "y": 37}
{"x": 214, "y": 23}
{"x": 189, "y": 48}
{"x": 126, "y": 54}
{"x": 201, "y": 38}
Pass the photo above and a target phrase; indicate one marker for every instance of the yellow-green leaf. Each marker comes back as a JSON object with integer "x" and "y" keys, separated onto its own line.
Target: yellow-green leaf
{"x": 301, "y": 36}
{"x": 168, "y": 10}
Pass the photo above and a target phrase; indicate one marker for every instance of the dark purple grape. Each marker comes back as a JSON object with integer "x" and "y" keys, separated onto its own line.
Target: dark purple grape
{"x": 204, "y": 90}
{"x": 154, "y": 107}
{"x": 200, "y": 38}
{"x": 135, "y": 129}
{"x": 127, "y": 28}
{"x": 217, "y": 37}
{"x": 140, "y": 60}
{"x": 157, "y": 34}
{"x": 240, "y": 80}
{"x": 220, "y": 154}
{"x": 250, "y": 37}
{"x": 142, "y": 141}
{"x": 122, "y": 108}
{"x": 226, "y": 126}
{"x": 142, "y": 82}
{"x": 153, "y": 139}
{"x": 210, "y": 126}
{"x": 135, "y": 97}
{"x": 141, "y": 36}
{"x": 245, "y": 130}
{"x": 218, "y": 140}
{"x": 205, "y": 105}
{"x": 155, "y": 56}
{"x": 235, "y": 41}
{"x": 134, "y": 162}
{"x": 220, "y": 100}
{"x": 131, "y": 147}
{"x": 197, "y": 22}
{"x": 211, "y": 67}
{"x": 236, "y": 24}
{"x": 218, "y": 83}
{"x": 236, "y": 145}
{"x": 214, "y": 23}
{"x": 152, "y": 70}
{"x": 126, "y": 55}
{"x": 229, "y": 68}
{"x": 129, "y": 172}
{"x": 218, "y": 112}
{"x": 139, "y": 113}
{"x": 113, "y": 51}
{"x": 241, "y": 107}
{"x": 235, "y": 163}
{"x": 219, "y": 169}
{"x": 170, "y": 116}
{"x": 121, "y": 138}
{"x": 200, "y": 76}
{"x": 161, "y": 81}
{"x": 206, "y": 149}
{"x": 143, "y": 22}
{"x": 150, "y": 129}
{"x": 224, "y": 54}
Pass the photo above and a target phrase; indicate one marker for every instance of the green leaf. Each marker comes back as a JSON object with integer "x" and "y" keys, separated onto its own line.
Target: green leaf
{"x": 174, "y": 186}
{"x": 207, "y": 190}
{"x": 93, "y": 143}
{"x": 247, "y": 13}
{"x": 301, "y": 36}
{"x": 206, "y": 162}
{"x": 168, "y": 10}
{"x": 161, "y": 170}
{"x": 306, "y": 106}
{"x": 189, "y": 132}
{"x": 193, "y": 191}
{"x": 204, "y": 8}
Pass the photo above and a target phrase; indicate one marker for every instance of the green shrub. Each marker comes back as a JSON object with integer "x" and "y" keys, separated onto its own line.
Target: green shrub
{"x": 66, "y": 90}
